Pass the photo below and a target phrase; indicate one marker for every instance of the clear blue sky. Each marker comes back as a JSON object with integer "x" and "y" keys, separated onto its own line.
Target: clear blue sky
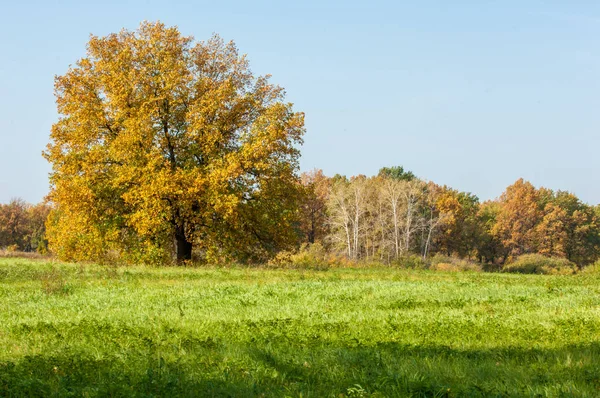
{"x": 473, "y": 94}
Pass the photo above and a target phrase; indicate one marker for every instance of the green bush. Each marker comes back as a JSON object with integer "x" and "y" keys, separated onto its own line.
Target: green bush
{"x": 539, "y": 264}
{"x": 411, "y": 261}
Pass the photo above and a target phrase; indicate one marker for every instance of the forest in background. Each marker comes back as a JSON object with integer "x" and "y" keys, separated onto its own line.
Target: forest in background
{"x": 395, "y": 215}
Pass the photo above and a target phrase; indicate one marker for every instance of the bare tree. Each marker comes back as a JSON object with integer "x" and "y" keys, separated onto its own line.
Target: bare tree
{"x": 411, "y": 194}
{"x": 393, "y": 194}
{"x": 358, "y": 191}
{"x": 339, "y": 220}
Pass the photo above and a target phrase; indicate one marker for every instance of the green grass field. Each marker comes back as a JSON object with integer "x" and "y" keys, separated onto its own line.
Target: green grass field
{"x": 71, "y": 330}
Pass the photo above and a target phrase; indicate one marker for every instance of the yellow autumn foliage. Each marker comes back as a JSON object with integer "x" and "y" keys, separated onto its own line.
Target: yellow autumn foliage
{"x": 165, "y": 144}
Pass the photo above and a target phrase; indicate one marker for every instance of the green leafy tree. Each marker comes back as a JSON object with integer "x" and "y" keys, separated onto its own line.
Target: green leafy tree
{"x": 396, "y": 173}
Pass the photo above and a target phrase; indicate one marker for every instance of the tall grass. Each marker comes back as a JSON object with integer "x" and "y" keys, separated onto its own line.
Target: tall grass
{"x": 84, "y": 330}
{"x": 538, "y": 264}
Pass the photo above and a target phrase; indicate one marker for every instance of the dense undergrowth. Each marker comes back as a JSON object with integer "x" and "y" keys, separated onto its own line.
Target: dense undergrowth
{"x": 86, "y": 330}
{"x": 316, "y": 257}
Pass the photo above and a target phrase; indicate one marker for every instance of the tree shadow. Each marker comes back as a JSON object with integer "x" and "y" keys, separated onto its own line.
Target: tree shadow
{"x": 410, "y": 370}
{"x": 278, "y": 368}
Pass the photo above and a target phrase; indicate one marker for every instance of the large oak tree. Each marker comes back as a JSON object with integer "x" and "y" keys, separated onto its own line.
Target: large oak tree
{"x": 165, "y": 143}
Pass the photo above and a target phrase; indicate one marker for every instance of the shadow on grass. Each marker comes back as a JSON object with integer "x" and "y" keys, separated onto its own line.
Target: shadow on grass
{"x": 41, "y": 376}
{"x": 278, "y": 369}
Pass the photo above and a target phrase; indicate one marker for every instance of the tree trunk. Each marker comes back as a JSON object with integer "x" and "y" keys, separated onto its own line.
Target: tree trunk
{"x": 426, "y": 251}
{"x": 182, "y": 246}
{"x": 311, "y": 232}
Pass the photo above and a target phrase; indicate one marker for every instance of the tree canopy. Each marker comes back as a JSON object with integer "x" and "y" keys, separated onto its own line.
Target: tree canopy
{"x": 165, "y": 144}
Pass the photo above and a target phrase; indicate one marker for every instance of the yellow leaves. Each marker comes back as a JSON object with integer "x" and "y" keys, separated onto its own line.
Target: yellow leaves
{"x": 73, "y": 236}
{"x": 158, "y": 134}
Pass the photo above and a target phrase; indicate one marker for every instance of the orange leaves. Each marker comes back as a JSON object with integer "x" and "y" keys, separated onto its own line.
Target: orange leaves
{"x": 531, "y": 220}
{"x": 520, "y": 212}
{"x": 551, "y": 231}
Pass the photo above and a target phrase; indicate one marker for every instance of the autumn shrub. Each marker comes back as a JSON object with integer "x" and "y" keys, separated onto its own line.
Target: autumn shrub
{"x": 308, "y": 256}
{"x": 440, "y": 262}
{"x": 539, "y": 264}
{"x": 593, "y": 268}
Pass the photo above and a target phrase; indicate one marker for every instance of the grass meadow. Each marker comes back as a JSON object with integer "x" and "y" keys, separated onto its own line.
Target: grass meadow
{"x": 88, "y": 330}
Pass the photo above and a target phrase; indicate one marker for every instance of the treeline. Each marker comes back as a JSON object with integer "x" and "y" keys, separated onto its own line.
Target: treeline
{"x": 393, "y": 215}
{"x": 23, "y": 226}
